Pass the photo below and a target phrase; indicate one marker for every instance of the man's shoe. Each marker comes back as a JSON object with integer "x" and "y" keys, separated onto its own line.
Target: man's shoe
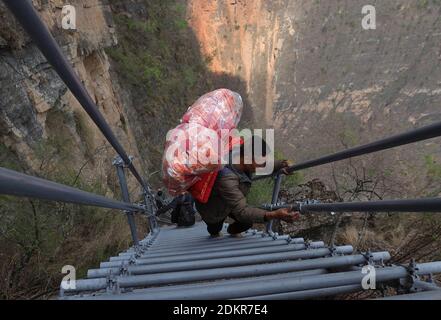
{"x": 217, "y": 235}
{"x": 237, "y": 235}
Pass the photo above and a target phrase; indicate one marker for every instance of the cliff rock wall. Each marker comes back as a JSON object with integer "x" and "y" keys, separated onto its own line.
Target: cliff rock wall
{"x": 37, "y": 109}
{"x": 322, "y": 81}
{"x": 242, "y": 38}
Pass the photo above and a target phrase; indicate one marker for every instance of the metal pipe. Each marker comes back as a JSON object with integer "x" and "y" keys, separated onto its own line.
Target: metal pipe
{"x": 274, "y": 285}
{"x": 21, "y": 185}
{"x": 151, "y": 237}
{"x": 425, "y": 295}
{"x": 195, "y": 230}
{"x": 414, "y": 205}
{"x": 119, "y": 164}
{"x": 225, "y": 252}
{"x": 418, "y": 205}
{"x": 174, "y": 254}
{"x": 274, "y": 199}
{"x": 245, "y": 271}
{"x": 197, "y": 227}
{"x": 218, "y": 244}
{"x": 424, "y": 133}
{"x": 261, "y": 279}
{"x": 166, "y": 253}
{"x": 150, "y": 211}
{"x": 200, "y": 235}
{"x": 232, "y": 290}
{"x": 213, "y": 274}
{"x": 168, "y": 240}
{"x": 425, "y": 286}
{"x": 146, "y": 260}
{"x": 184, "y": 242}
{"x": 258, "y": 242}
{"x": 238, "y": 244}
{"x": 98, "y": 284}
{"x": 172, "y": 242}
{"x": 309, "y": 294}
{"x": 220, "y": 263}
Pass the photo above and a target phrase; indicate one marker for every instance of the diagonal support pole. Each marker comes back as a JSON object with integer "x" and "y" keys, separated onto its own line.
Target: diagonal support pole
{"x": 120, "y": 165}
{"x": 274, "y": 200}
{"x": 151, "y": 210}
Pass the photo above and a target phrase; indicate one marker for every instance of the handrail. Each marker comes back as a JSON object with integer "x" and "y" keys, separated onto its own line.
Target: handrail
{"x": 34, "y": 26}
{"x": 424, "y": 133}
{"x": 420, "y": 134}
{"x": 411, "y": 205}
{"x": 21, "y": 185}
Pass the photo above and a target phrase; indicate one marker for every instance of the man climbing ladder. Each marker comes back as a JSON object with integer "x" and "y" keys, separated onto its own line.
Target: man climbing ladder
{"x": 219, "y": 187}
{"x": 228, "y": 196}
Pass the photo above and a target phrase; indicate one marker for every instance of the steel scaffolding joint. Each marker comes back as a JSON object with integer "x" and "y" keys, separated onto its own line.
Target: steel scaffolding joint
{"x": 369, "y": 258}
{"x": 308, "y": 244}
{"x": 112, "y": 284}
{"x": 119, "y": 162}
{"x": 413, "y": 277}
{"x": 124, "y": 269}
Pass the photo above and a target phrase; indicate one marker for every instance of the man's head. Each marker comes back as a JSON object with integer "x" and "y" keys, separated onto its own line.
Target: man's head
{"x": 253, "y": 154}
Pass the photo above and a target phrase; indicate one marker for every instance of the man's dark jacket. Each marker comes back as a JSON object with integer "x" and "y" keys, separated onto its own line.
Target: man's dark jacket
{"x": 228, "y": 198}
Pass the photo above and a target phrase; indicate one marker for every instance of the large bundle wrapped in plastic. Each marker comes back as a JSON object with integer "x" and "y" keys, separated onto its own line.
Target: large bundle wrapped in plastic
{"x": 191, "y": 150}
{"x": 196, "y": 146}
{"x": 217, "y": 110}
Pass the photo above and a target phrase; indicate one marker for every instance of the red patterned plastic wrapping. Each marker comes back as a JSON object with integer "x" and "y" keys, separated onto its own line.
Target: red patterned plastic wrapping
{"x": 201, "y": 190}
{"x": 191, "y": 150}
{"x": 196, "y": 147}
{"x": 217, "y": 110}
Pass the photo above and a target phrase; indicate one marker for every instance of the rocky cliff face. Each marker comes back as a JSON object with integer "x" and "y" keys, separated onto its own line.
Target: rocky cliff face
{"x": 37, "y": 112}
{"x": 242, "y": 38}
{"x": 322, "y": 81}
{"x": 141, "y": 64}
